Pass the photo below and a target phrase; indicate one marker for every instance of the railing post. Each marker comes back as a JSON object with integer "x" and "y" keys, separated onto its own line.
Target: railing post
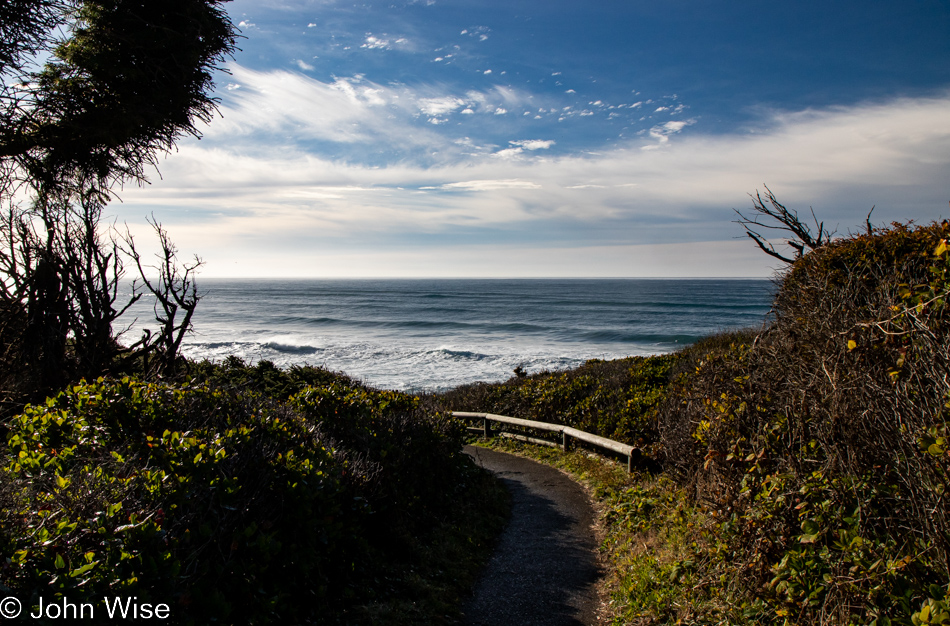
{"x": 563, "y": 441}
{"x": 630, "y": 463}
{"x": 486, "y": 426}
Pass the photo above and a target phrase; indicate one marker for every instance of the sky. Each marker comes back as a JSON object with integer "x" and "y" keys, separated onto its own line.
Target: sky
{"x": 555, "y": 138}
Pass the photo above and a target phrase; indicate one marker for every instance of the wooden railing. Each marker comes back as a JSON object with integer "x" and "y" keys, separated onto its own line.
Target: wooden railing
{"x": 566, "y": 432}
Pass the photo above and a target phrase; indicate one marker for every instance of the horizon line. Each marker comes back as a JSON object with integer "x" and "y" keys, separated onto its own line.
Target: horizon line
{"x": 486, "y": 278}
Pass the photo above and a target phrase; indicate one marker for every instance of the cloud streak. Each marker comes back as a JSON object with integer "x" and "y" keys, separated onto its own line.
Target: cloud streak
{"x": 672, "y": 186}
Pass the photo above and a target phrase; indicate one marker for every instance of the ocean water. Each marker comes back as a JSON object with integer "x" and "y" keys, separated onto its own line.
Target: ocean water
{"x": 436, "y": 334}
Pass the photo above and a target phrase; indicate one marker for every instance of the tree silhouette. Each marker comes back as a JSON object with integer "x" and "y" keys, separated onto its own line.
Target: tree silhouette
{"x": 91, "y": 93}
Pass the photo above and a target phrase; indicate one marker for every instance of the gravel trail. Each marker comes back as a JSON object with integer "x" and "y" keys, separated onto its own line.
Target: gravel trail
{"x": 545, "y": 568}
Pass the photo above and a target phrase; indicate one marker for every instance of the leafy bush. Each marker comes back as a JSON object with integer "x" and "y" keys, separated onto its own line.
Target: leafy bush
{"x": 615, "y": 399}
{"x": 263, "y": 377}
{"x": 226, "y": 506}
{"x": 821, "y": 442}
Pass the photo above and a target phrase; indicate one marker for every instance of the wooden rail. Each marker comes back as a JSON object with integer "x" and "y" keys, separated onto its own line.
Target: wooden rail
{"x": 566, "y": 431}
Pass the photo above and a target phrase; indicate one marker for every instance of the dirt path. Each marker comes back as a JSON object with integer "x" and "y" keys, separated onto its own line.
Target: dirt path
{"x": 545, "y": 568}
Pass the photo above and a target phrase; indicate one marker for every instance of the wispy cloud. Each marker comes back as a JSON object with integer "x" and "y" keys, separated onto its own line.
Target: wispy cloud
{"x": 440, "y": 106}
{"x": 398, "y": 119}
{"x": 382, "y": 42}
{"x": 534, "y": 144}
{"x": 662, "y": 132}
{"x": 278, "y": 193}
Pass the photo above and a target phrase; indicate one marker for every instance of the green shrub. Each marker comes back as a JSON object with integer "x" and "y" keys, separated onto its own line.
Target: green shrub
{"x": 227, "y": 506}
{"x": 264, "y": 377}
{"x": 614, "y": 399}
{"x": 820, "y": 443}
{"x": 406, "y": 463}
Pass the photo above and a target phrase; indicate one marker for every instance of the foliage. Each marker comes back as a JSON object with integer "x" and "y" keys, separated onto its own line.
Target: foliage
{"x": 820, "y": 443}
{"x": 228, "y": 506}
{"x": 126, "y": 82}
{"x": 90, "y": 92}
{"x": 615, "y": 399}
{"x": 264, "y": 377}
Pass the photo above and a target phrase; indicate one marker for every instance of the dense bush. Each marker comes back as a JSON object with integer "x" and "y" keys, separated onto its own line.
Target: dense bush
{"x": 225, "y": 505}
{"x": 822, "y": 442}
{"x": 263, "y": 377}
{"x": 615, "y": 399}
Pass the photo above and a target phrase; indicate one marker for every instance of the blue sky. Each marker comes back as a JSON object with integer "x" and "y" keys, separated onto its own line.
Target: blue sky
{"x": 528, "y": 138}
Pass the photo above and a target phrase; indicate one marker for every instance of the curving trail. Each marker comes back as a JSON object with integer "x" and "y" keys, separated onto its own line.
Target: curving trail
{"x": 545, "y": 568}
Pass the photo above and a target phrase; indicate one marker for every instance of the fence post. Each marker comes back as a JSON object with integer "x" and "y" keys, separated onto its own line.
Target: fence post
{"x": 486, "y": 426}
{"x": 563, "y": 441}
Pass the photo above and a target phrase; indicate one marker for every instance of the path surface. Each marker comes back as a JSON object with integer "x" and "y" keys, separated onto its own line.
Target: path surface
{"x": 544, "y": 570}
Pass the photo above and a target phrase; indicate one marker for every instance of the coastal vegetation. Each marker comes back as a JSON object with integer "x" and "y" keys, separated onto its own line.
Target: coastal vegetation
{"x": 235, "y": 499}
{"x": 797, "y": 473}
{"x": 790, "y": 474}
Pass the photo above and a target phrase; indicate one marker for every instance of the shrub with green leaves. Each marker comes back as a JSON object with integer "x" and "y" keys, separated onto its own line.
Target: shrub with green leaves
{"x": 615, "y": 399}
{"x": 820, "y": 443}
{"x": 226, "y": 506}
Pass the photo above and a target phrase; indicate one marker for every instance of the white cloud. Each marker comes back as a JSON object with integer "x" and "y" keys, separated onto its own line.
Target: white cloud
{"x": 534, "y": 144}
{"x": 304, "y": 65}
{"x": 247, "y": 198}
{"x": 375, "y": 43}
{"x": 478, "y": 32}
{"x": 509, "y": 153}
{"x": 348, "y": 110}
{"x": 520, "y": 146}
{"x": 440, "y": 106}
{"x": 372, "y": 42}
{"x": 490, "y": 185}
{"x": 662, "y": 132}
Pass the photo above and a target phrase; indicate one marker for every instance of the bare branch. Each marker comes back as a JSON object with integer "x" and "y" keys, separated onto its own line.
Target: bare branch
{"x": 770, "y": 214}
{"x": 174, "y": 290}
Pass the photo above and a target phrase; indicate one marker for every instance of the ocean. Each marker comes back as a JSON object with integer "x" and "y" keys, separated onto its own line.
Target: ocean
{"x": 432, "y": 335}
